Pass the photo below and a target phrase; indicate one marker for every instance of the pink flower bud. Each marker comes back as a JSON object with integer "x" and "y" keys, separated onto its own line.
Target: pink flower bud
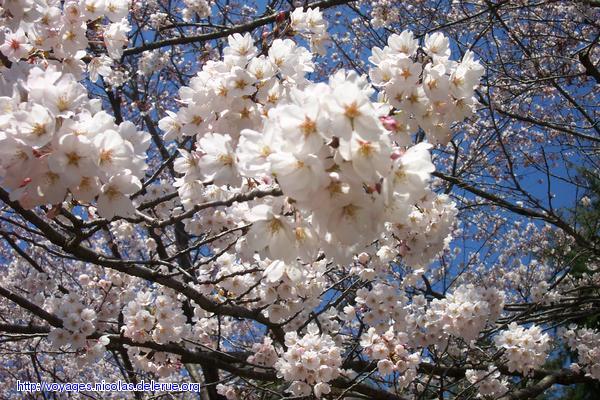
{"x": 25, "y": 182}
{"x": 397, "y": 153}
{"x": 389, "y": 123}
{"x": 280, "y": 17}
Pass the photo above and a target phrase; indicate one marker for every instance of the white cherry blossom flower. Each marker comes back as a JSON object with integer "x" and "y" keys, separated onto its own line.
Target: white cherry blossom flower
{"x": 73, "y": 158}
{"x": 218, "y": 162}
{"x": 35, "y": 127}
{"x": 113, "y": 199}
{"x": 99, "y": 66}
{"x": 16, "y": 45}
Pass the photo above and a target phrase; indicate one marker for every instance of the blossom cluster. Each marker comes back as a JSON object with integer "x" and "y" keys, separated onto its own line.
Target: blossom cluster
{"x": 55, "y": 141}
{"x": 199, "y": 8}
{"x": 291, "y": 289}
{"x": 384, "y": 13}
{"x": 463, "y": 314}
{"x": 587, "y": 344}
{"x": 311, "y": 24}
{"x": 310, "y": 362}
{"x": 229, "y": 95}
{"x": 284, "y": 290}
{"x": 107, "y": 291}
{"x": 426, "y": 230}
{"x": 426, "y": 89}
{"x": 64, "y": 30}
{"x": 152, "y": 61}
{"x": 526, "y": 348}
{"x": 158, "y": 316}
{"x": 160, "y": 319}
{"x": 264, "y": 354}
{"x": 232, "y": 276}
{"x": 346, "y": 178}
{"x": 390, "y": 349}
{"x": 78, "y": 322}
{"x": 235, "y": 392}
{"x": 488, "y": 382}
{"x": 381, "y": 306}
{"x": 330, "y": 154}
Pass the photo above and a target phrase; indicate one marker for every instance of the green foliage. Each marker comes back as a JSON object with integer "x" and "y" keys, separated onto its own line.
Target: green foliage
{"x": 586, "y": 217}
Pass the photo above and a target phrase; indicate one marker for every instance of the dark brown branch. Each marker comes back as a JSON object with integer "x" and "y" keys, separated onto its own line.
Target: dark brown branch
{"x": 590, "y": 68}
{"x": 86, "y": 254}
{"x": 226, "y": 32}
{"x": 551, "y": 218}
{"x": 31, "y": 307}
{"x": 238, "y": 198}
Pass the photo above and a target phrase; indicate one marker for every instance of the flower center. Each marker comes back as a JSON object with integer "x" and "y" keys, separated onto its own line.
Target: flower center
{"x": 38, "y": 129}
{"x": 226, "y": 159}
{"x": 275, "y": 225}
{"x": 106, "y": 156}
{"x": 308, "y": 127}
{"x": 351, "y": 110}
{"x": 73, "y": 158}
